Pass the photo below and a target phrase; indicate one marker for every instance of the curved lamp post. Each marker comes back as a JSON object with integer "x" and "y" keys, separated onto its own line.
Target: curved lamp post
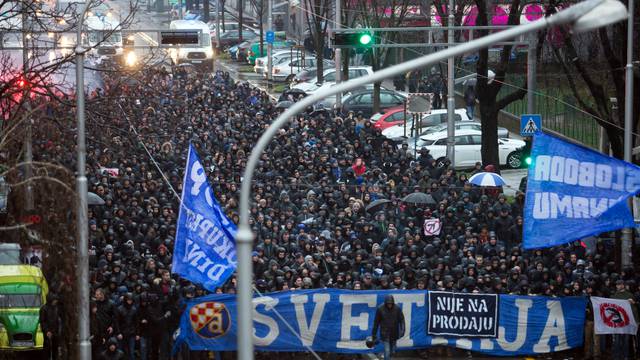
{"x": 584, "y": 16}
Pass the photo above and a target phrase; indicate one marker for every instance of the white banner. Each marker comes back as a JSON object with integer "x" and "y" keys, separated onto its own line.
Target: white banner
{"x": 613, "y": 316}
{"x": 432, "y": 227}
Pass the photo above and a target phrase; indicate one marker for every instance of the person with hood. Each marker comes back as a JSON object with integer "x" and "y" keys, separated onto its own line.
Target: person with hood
{"x": 126, "y": 316}
{"x": 112, "y": 352}
{"x": 390, "y": 320}
{"x": 51, "y": 325}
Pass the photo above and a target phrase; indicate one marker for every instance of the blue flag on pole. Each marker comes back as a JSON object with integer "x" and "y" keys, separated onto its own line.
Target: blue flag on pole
{"x": 574, "y": 192}
{"x": 205, "y": 248}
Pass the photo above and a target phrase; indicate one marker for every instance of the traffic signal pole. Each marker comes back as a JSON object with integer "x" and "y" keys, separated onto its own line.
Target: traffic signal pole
{"x": 338, "y": 52}
{"x": 269, "y": 44}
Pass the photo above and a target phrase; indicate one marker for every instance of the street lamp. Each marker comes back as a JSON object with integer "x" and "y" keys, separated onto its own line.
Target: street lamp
{"x": 82, "y": 222}
{"x": 583, "y": 16}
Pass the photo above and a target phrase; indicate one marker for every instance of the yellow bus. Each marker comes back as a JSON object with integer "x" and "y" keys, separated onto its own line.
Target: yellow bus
{"x": 23, "y": 291}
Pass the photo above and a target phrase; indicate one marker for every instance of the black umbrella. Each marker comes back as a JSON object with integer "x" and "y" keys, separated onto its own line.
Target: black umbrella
{"x": 284, "y": 104}
{"x": 94, "y": 199}
{"x": 376, "y": 204}
{"x": 293, "y": 92}
{"x": 419, "y": 198}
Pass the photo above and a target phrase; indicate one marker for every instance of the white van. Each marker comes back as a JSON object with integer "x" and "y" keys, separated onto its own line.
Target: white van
{"x": 199, "y": 55}
{"x": 104, "y": 38}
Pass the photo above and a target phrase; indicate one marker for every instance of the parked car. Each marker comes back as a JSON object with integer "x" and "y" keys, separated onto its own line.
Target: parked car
{"x": 471, "y": 125}
{"x": 362, "y": 101}
{"x": 436, "y": 117}
{"x": 277, "y": 58}
{"x": 286, "y": 71}
{"x": 304, "y": 75}
{"x": 329, "y": 78}
{"x": 388, "y": 118}
{"x": 228, "y": 26}
{"x": 230, "y": 38}
{"x": 254, "y": 51}
{"x": 467, "y": 148}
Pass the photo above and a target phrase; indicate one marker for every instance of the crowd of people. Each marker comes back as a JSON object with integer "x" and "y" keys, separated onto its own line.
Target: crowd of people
{"x": 312, "y": 210}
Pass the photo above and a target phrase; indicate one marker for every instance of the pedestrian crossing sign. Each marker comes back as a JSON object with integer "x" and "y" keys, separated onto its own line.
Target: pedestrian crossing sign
{"x": 530, "y": 124}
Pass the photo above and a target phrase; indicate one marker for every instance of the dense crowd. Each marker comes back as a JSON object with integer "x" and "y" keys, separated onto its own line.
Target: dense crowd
{"x": 311, "y": 211}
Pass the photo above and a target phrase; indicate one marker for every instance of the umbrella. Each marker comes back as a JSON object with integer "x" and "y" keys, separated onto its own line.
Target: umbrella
{"x": 487, "y": 179}
{"x": 284, "y": 104}
{"x": 294, "y": 92}
{"x": 94, "y": 199}
{"x": 419, "y": 198}
{"x": 375, "y": 204}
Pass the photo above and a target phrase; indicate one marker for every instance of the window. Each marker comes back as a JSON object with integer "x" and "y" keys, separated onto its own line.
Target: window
{"x": 462, "y": 140}
{"x": 397, "y": 116}
{"x": 387, "y": 98}
{"x": 20, "y": 300}
{"x": 355, "y": 73}
{"x": 441, "y": 142}
{"x": 365, "y": 99}
{"x": 476, "y": 139}
{"x": 330, "y": 77}
{"x": 444, "y": 117}
{"x": 430, "y": 120}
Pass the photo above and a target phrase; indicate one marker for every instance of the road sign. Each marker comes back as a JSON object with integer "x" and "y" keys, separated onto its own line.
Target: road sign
{"x": 271, "y": 37}
{"x": 419, "y": 103}
{"x": 179, "y": 37}
{"x": 530, "y": 123}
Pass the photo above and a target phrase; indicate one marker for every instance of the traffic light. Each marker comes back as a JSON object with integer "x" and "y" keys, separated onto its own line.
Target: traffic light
{"x": 351, "y": 40}
{"x": 525, "y": 153}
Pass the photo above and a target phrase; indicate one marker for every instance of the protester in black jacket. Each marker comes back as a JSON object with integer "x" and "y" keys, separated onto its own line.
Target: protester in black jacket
{"x": 105, "y": 314}
{"x": 390, "y": 320}
{"x": 126, "y": 316}
{"x": 51, "y": 325}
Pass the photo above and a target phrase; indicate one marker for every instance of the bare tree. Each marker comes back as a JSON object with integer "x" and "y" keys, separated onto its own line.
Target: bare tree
{"x": 594, "y": 79}
{"x": 490, "y": 102}
{"x": 36, "y": 102}
{"x": 317, "y": 17}
{"x": 260, "y": 7}
{"x": 382, "y": 13}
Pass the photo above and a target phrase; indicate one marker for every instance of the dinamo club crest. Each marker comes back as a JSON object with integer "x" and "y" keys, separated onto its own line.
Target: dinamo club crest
{"x": 210, "y": 319}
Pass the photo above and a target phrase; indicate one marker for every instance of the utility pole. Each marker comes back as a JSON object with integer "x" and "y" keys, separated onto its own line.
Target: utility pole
{"x": 28, "y": 147}
{"x": 531, "y": 74}
{"x": 269, "y": 44}
{"x": 218, "y": 29}
{"x": 338, "y": 52}
{"x": 82, "y": 222}
{"x": 627, "y": 236}
{"x": 451, "y": 101}
{"x": 240, "y": 18}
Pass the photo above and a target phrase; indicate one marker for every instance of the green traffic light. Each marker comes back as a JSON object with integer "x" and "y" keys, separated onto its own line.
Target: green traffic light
{"x": 527, "y": 160}
{"x": 365, "y": 39}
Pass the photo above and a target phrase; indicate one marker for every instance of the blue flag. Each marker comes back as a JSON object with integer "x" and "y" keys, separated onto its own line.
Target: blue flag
{"x": 205, "y": 248}
{"x": 574, "y": 192}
